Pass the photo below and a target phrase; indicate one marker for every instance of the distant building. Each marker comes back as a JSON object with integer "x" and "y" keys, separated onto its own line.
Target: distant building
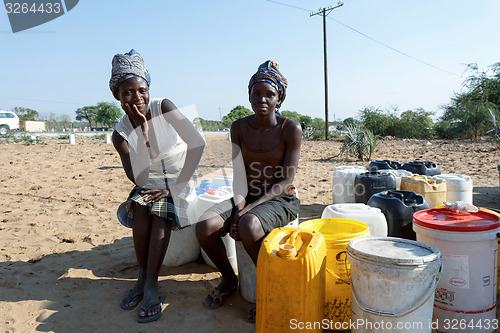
{"x": 33, "y": 126}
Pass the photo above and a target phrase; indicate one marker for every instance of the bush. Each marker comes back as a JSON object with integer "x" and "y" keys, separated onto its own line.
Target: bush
{"x": 359, "y": 142}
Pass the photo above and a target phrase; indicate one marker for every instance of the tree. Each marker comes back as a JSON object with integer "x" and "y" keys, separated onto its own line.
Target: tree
{"x": 377, "y": 122}
{"x": 26, "y": 113}
{"x": 88, "y": 113}
{"x": 65, "y": 121}
{"x": 468, "y": 114}
{"x": 235, "y": 114}
{"x": 107, "y": 113}
{"x": 415, "y": 124}
{"x": 292, "y": 115}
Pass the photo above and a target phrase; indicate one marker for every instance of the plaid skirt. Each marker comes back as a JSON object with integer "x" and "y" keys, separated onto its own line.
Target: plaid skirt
{"x": 164, "y": 208}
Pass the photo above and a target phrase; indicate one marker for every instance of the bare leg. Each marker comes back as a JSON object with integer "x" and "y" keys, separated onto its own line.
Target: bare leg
{"x": 159, "y": 237}
{"x": 252, "y": 234}
{"x": 209, "y": 232}
{"x": 140, "y": 231}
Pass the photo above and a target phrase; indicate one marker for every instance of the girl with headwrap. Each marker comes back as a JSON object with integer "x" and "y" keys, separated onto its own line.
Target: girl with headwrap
{"x": 266, "y": 149}
{"x": 160, "y": 150}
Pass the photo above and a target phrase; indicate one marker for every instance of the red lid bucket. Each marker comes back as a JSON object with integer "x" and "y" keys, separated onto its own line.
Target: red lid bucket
{"x": 447, "y": 220}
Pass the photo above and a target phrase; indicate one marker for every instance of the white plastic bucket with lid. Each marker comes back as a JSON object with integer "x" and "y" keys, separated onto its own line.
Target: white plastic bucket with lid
{"x": 372, "y": 216}
{"x": 458, "y": 187}
{"x": 468, "y": 244}
{"x": 247, "y": 272}
{"x": 183, "y": 246}
{"x": 222, "y": 181}
{"x": 392, "y": 284}
{"x": 343, "y": 182}
{"x": 398, "y": 174}
{"x": 205, "y": 201}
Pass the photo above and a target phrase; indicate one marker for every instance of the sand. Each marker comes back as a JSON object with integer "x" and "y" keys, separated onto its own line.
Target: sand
{"x": 66, "y": 262}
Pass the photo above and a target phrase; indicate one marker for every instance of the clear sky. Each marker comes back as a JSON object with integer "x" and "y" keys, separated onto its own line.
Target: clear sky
{"x": 204, "y": 52}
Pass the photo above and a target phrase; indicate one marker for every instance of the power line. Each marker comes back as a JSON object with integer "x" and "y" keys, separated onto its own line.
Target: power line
{"x": 372, "y": 39}
{"x": 40, "y": 101}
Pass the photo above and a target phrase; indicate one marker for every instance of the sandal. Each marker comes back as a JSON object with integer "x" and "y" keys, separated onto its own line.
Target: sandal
{"x": 251, "y": 315}
{"x": 148, "y": 319}
{"x": 216, "y": 298}
{"x": 129, "y": 298}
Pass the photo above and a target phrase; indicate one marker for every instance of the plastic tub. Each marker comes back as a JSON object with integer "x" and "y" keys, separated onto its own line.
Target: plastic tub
{"x": 468, "y": 245}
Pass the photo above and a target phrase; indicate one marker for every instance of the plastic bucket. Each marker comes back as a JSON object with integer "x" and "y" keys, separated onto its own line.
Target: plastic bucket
{"x": 392, "y": 284}
{"x": 497, "y": 213}
{"x": 337, "y": 234}
{"x": 468, "y": 243}
{"x": 373, "y": 217}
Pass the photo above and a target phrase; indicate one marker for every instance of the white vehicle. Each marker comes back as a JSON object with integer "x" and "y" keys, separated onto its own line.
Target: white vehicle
{"x": 8, "y": 121}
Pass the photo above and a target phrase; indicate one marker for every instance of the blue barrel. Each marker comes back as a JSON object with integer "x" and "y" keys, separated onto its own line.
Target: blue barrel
{"x": 425, "y": 168}
{"x": 398, "y": 208}
{"x": 384, "y": 164}
{"x": 371, "y": 182}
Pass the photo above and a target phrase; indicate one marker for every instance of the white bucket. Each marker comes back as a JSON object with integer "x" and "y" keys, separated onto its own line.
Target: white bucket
{"x": 468, "y": 243}
{"x": 183, "y": 246}
{"x": 372, "y": 216}
{"x": 398, "y": 174}
{"x": 71, "y": 139}
{"x": 247, "y": 272}
{"x": 458, "y": 187}
{"x": 343, "y": 183}
{"x": 205, "y": 201}
{"x": 392, "y": 284}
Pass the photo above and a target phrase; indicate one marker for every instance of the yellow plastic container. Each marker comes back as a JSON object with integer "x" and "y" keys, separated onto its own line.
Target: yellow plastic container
{"x": 290, "y": 281}
{"x": 337, "y": 232}
{"x": 433, "y": 189}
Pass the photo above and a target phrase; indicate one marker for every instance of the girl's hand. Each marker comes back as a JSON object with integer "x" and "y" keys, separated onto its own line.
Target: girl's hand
{"x": 136, "y": 117}
{"x": 234, "y": 231}
{"x": 156, "y": 195}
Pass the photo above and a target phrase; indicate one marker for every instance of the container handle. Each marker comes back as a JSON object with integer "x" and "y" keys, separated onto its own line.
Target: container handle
{"x": 416, "y": 306}
{"x": 336, "y": 276}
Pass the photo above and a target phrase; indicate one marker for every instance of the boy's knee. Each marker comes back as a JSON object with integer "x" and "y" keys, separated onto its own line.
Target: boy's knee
{"x": 249, "y": 224}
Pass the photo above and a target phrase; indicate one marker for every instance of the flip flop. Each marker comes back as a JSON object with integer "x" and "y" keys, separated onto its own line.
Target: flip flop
{"x": 131, "y": 297}
{"x": 148, "y": 319}
{"x": 216, "y": 298}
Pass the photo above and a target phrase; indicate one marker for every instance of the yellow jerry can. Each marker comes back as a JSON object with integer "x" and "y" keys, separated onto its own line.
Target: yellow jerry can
{"x": 291, "y": 281}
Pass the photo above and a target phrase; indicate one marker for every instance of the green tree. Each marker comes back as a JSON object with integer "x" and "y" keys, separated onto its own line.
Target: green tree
{"x": 88, "y": 113}
{"x": 26, "y": 113}
{"x": 65, "y": 121}
{"x": 378, "y": 122}
{"x": 235, "y": 114}
{"x": 415, "y": 124}
{"x": 306, "y": 120}
{"x": 107, "y": 113}
{"x": 350, "y": 121}
{"x": 468, "y": 114}
{"x": 292, "y": 115}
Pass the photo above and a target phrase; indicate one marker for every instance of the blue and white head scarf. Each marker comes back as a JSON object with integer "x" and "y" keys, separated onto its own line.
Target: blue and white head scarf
{"x": 125, "y": 66}
{"x": 268, "y": 72}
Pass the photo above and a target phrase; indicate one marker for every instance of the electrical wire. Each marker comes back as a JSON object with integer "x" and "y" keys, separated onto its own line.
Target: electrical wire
{"x": 372, "y": 39}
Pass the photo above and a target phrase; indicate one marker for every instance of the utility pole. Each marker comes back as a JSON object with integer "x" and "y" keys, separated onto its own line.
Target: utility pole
{"x": 325, "y": 12}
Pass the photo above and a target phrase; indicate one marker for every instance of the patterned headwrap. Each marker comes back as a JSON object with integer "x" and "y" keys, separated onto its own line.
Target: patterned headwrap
{"x": 268, "y": 72}
{"x": 125, "y": 66}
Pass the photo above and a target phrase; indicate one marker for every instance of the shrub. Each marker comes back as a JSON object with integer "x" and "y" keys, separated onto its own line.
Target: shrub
{"x": 359, "y": 142}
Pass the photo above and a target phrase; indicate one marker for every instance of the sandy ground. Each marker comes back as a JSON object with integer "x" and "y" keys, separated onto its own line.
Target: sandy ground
{"x": 66, "y": 262}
